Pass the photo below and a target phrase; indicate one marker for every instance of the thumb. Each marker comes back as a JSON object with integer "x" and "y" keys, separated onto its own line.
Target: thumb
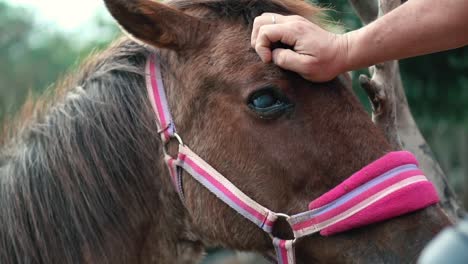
{"x": 291, "y": 60}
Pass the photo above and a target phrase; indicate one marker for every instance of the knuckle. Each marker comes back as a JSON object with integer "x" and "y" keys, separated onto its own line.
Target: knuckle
{"x": 263, "y": 31}
{"x": 281, "y": 58}
{"x": 256, "y": 21}
{"x": 300, "y": 27}
{"x": 258, "y": 46}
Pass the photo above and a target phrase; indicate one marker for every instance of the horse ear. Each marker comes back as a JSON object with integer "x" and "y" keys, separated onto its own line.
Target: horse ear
{"x": 157, "y": 24}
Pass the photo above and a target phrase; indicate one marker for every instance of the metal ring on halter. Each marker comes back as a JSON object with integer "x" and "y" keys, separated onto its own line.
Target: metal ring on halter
{"x": 286, "y": 217}
{"x": 177, "y": 136}
{"x": 179, "y": 140}
{"x": 273, "y": 19}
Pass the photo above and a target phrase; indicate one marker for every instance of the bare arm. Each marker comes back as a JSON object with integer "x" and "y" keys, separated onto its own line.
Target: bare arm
{"x": 415, "y": 28}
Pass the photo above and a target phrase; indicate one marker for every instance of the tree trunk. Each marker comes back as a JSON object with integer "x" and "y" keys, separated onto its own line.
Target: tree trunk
{"x": 392, "y": 114}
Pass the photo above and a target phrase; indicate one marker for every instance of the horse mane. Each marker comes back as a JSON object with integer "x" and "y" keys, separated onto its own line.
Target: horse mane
{"x": 75, "y": 162}
{"x": 64, "y": 176}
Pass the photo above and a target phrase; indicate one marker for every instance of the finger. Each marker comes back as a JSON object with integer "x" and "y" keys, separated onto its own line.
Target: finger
{"x": 270, "y": 34}
{"x": 290, "y": 60}
{"x": 265, "y": 19}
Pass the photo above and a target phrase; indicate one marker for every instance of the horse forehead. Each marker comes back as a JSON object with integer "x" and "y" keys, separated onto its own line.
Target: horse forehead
{"x": 241, "y": 67}
{"x": 231, "y": 58}
{"x": 231, "y": 45}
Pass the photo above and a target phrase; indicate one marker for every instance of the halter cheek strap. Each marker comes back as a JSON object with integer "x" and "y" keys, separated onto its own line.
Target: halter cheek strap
{"x": 386, "y": 188}
{"x": 165, "y": 123}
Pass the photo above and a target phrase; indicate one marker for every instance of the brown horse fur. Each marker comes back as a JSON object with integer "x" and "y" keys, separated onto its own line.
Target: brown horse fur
{"x": 84, "y": 182}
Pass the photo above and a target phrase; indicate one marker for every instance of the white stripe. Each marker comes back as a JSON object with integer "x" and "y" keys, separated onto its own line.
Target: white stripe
{"x": 218, "y": 193}
{"x": 363, "y": 188}
{"x": 149, "y": 88}
{"x": 290, "y": 251}
{"x": 221, "y": 179}
{"x": 359, "y": 207}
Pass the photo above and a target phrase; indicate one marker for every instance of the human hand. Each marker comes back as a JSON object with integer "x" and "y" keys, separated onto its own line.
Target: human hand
{"x": 316, "y": 54}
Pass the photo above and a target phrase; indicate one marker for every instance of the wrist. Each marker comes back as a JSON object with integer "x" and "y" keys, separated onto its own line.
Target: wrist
{"x": 361, "y": 49}
{"x": 349, "y": 46}
{"x": 338, "y": 52}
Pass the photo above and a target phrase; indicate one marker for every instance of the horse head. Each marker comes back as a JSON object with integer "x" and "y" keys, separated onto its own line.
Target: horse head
{"x": 279, "y": 138}
{"x": 85, "y": 181}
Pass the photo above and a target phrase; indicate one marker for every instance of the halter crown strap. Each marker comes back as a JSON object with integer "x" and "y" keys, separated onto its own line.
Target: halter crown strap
{"x": 158, "y": 99}
{"x": 386, "y": 188}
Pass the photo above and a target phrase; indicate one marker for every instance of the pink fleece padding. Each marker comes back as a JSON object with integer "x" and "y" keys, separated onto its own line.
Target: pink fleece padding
{"x": 356, "y": 200}
{"x": 375, "y": 169}
{"x": 408, "y": 199}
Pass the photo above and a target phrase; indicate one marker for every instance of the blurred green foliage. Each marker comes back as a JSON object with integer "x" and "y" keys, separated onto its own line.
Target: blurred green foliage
{"x": 33, "y": 57}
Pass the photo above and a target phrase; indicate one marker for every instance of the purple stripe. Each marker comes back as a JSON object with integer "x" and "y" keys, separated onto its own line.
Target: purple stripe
{"x": 157, "y": 94}
{"x": 278, "y": 250}
{"x": 163, "y": 99}
{"x": 221, "y": 195}
{"x": 282, "y": 251}
{"x": 359, "y": 190}
{"x": 279, "y": 257}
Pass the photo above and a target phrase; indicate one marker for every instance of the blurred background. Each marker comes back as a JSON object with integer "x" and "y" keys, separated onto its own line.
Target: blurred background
{"x": 41, "y": 40}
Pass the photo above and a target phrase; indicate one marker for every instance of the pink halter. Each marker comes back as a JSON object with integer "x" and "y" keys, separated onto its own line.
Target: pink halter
{"x": 391, "y": 186}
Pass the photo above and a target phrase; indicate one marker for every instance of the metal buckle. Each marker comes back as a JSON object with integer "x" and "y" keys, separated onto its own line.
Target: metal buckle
{"x": 179, "y": 140}
{"x": 285, "y": 217}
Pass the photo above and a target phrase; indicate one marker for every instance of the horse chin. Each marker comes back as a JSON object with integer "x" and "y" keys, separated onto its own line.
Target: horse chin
{"x": 399, "y": 240}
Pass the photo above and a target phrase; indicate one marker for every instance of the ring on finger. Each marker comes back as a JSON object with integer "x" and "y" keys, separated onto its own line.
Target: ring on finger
{"x": 273, "y": 19}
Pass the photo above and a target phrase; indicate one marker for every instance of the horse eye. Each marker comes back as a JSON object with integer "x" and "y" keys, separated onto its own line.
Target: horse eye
{"x": 269, "y": 103}
{"x": 264, "y": 101}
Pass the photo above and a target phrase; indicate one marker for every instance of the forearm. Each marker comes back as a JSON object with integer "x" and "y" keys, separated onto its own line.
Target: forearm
{"x": 417, "y": 27}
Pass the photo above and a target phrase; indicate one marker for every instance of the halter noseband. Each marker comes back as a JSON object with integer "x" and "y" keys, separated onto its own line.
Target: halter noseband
{"x": 391, "y": 186}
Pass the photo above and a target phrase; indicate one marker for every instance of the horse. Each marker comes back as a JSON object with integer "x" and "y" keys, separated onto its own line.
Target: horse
{"x": 83, "y": 179}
